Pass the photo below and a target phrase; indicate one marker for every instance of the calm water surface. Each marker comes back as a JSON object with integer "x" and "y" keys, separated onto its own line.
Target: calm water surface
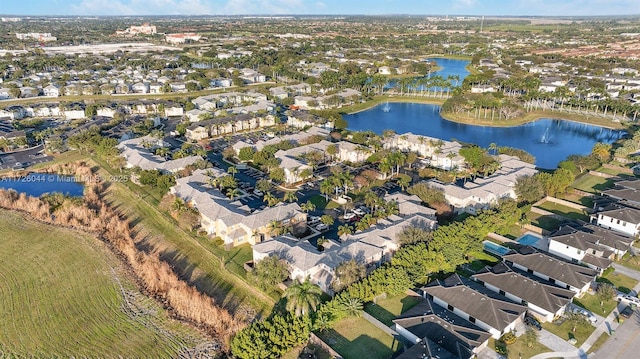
{"x": 37, "y": 184}
{"x": 550, "y": 141}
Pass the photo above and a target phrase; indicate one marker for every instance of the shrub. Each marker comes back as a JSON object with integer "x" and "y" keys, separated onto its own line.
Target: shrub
{"x": 508, "y": 338}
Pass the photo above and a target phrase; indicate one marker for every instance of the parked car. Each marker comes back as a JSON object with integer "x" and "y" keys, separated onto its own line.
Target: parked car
{"x": 629, "y": 299}
{"x": 359, "y": 212}
{"x": 258, "y": 192}
{"x": 626, "y": 312}
{"x": 313, "y": 219}
{"x": 590, "y": 317}
{"x": 349, "y": 215}
{"x": 532, "y": 322}
{"x": 322, "y": 227}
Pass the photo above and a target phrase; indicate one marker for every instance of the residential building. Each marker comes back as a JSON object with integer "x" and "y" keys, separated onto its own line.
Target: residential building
{"x": 350, "y": 152}
{"x": 545, "y": 300}
{"x": 439, "y": 333}
{"x": 625, "y": 220}
{"x": 302, "y": 119}
{"x": 567, "y": 275}
{"x": 437, "y": 153}
{"x": 182, "y": 38}
{"x": 218, "y": 126}
{"x": 51, "y": 91}
{"x": 490, "y": 311}
{"x": 371, "y": 248}
{"x": 136, "y": 154}
{"x": 482, "y": 193}
{"x": 230, "y": 220}
{"x": 593, "y": 246}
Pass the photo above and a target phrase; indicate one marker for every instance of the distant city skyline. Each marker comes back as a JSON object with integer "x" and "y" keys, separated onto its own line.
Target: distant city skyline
{"x": 321, "y": 7}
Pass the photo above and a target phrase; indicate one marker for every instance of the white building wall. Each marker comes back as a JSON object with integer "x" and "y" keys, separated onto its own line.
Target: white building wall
{"x": 629, "y": 229}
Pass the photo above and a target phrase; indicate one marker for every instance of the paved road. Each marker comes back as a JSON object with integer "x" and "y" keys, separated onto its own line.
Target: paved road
{"x": 626, "y": 271}
{"x": 624, "y": 343}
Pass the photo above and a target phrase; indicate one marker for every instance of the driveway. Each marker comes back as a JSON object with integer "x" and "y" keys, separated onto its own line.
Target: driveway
{"x": 554, "y": 342}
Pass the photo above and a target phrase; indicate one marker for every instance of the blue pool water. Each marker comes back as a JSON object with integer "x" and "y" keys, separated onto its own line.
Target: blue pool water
{"x": 37, "y": 184}
{"x": 495, "y": 248}
{"x": 528, "y": 239}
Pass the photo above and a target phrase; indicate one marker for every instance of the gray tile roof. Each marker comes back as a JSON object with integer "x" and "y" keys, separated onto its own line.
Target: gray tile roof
{"x": 473, "y": 299}
{"x": 629, "y": 215}
{"x": 545, "y": 296}
{"x": 441, "y": 327}
{"x": 575, "y": 275}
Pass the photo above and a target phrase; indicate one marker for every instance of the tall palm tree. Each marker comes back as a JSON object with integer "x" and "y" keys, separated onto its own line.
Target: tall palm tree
{"x": 352, "y": 306}
{"x": 308, "y": 207}
{"x": 275, "y": 227}
{"x": 302, "y": 298}
{"x": 345, "y": 230}
{"x": 326, "y": 187}
{"x": 290, "y": 196}
{"x": 232, "y": 193}
{"x": 232, "y": 170}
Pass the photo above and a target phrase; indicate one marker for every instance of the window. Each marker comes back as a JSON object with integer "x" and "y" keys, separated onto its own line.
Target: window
{"x": 472, "y": 319}
{"x": 611, "y": 220}
{"x": 501, "y": 292}
{"x": 618, "y": 222}
{"x": 624, "y": 224}
{"x": 450, "y": 307}
{"x": 530, "y": 271}
{"x": 552, "y": 280}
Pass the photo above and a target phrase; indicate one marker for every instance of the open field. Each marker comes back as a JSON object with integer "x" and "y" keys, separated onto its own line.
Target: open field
{"x": 356, "y": 338}
{"x": 63, "y": 294}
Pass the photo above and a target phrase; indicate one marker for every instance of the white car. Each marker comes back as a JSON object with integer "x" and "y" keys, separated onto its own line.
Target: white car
{"x": 590, "y": 317}
{"x": 313, "y": 219}
{"x": 349, "y": 215}
{"x": 322, "y": 227}
{"x": 627, "y": 298}
{"x": 358, "y": 211}
{"x": 257, "y": 192}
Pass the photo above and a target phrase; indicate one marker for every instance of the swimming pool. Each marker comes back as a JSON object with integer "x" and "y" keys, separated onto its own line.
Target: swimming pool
{"x": 528, "y": 239}
{"x": 495, "y": 248}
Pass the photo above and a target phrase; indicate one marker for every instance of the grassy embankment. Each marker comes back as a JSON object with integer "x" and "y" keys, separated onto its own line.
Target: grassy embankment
{"x": 197, "y": 260}
{"x": 530, "y": 117}
{"x": 63, "y": 294}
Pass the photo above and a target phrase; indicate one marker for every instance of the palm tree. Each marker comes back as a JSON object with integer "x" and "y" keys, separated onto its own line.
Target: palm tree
{"x": 269, "y": 198}
{"x": 302, "y": 298}
{"x": 264, "y": 185}
{"x": 232, "y": 193}
{"x": 290, "y": 196}
{"x": 403, "y": 182}
{"x": 275, "y": 227}
{"x": 345, "y": 230}
{"x": 352, "y": 306}
{"x": 232, "y": 170}
{"x": 178, "y": 205}
{"x": 308, "y": 207}
{"x": 326, "y": 187}
{"x": 493, "y": 147}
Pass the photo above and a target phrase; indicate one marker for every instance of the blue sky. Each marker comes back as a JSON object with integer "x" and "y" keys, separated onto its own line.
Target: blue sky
{"x": 367, "y": 7}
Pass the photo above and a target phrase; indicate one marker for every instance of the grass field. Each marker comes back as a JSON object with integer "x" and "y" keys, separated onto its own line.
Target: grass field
{"x": 564, "y": 211}
{"x": 592, "y": 184}
{"x": 387, "y": 309}
{"x": 519, "y": 349}
{"x": 61, "y": 296}
{"x": 592, "y": 303}
{"x": 564, "y": 331}
{"x": 622, "y": 282}
{"x": 356, "y": 338}
{"x": 546, "y": 222}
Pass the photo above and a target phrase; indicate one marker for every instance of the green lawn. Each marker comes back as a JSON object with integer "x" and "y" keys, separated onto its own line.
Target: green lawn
{"x": 598, "y": 343}
{"x": 546, "y": 222}
{"x": 387, "y": 309}
{"x": 356, "y": 338}
{"x": 613, "y": 171}
{"x": 62, "y": 295}
{"x": 519, "y": 350}
{"x": 319, "y": 202}
{"x": 564, "y": 331}
{"x": 592, "y": 303}
{"x": 630, "y": 261}
{"x": 621, "y": 281}
{"x": 586, "y": 201}
{"x": 592, "y": 184}
{"x": 564, "y": 211}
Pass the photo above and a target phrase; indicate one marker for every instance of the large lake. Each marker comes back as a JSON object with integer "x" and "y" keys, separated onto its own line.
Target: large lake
{"x": 550, "y": 141}
{"x": 37, "y": 184}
